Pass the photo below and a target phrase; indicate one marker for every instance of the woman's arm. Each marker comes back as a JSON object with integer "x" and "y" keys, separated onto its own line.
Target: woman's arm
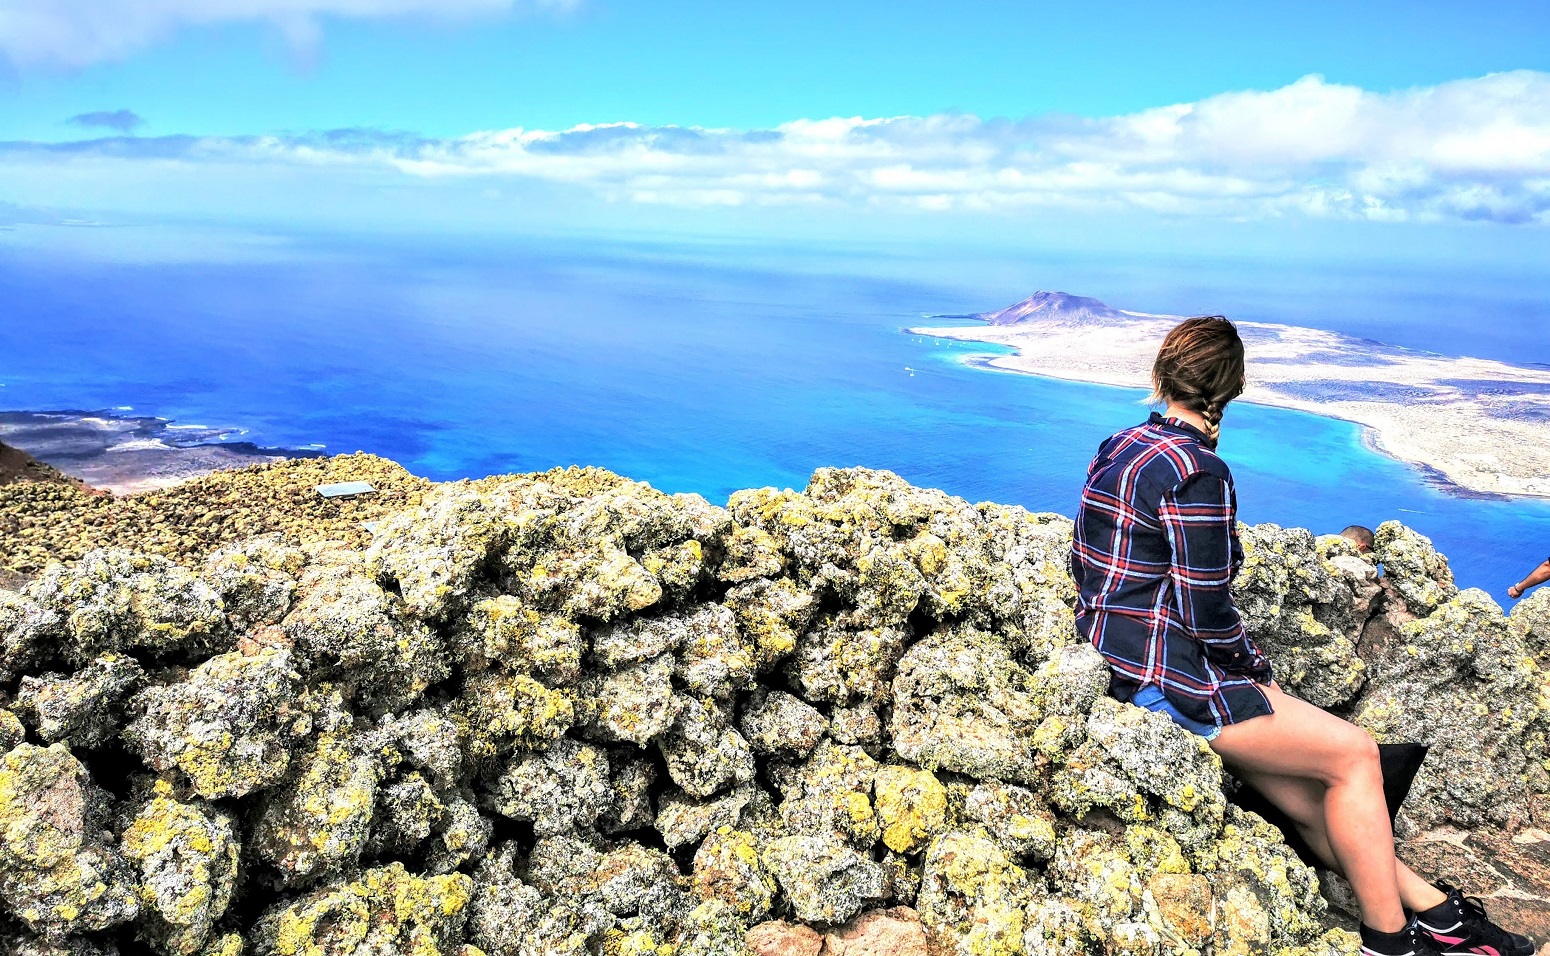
{"x": 1197, "y": 515}
{"x": 1536, "y": 577}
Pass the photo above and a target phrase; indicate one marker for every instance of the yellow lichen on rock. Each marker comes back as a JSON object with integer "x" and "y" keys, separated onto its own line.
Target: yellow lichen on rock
{"x": 911, "y": 806}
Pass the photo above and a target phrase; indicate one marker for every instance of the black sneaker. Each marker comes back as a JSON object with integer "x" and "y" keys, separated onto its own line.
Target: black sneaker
{"x": 1459, "y": 927}
{"x": 1410, "y": 941}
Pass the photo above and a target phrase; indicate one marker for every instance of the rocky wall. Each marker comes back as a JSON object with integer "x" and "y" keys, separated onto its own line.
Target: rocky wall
{"x": 567, "y": 713}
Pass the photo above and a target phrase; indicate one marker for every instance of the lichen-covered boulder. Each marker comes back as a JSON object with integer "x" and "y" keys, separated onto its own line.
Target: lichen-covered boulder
{"x": 85, "y": 709}
{"x": 558, "y": 789}
{"x": 829, "y": 794}
{"x": 961, "y": 703}
{"x": 635, "y": 704}
{"x": 773, "y": 614}
{"x": 587, "y": 577}
{"x": 846, "y": 665}
{"x": 630, "y": 781}
{"x": 428, "y": 741}
{"x": 435, "y": 554}
{"x": 683, "y": 820}
{"x": 114, "y": 600}
{"x": 1303, "y": 612}
{"x": 462, "y": 836}
{"x": 775, "y": 722}
{"x": 349, "y": 629}
{"x": 522, "y": 639}
{"x": 29, "y": 634}
{"x": 318, "y": 822}
{"x": 727, "y": 867}
{"x": 860, "y": 725}
{"x": 1014, "y": 817}
{"x": 1142, "y": 767}
{"x": 1530, "y": 621}
{"x": 1266, "y": 898}
{"x": 911, "y": 806}
{"x": 255, "y": 580}
{"x": 714, "y": 928}
{"x": 408, "y": 811}
{"x": 384, "y": 910}
{"x": 973, "y": 896}
{"x": 26, "y": 944}
{"x": 824, "y": 880}
{"x": 1461, "y": 681}
{"x": 505, "y": 913}
{"x": 227, "y": 728}
{"x": 59, "y": 870}
{"x": 186, "y": 854}
{"x": 1413, "y": 567}
{"x": 497, "y": 712}
{"x": 713, "y": 660}
{"x": 704, "y": 753}
{"x": 11, "y": 730}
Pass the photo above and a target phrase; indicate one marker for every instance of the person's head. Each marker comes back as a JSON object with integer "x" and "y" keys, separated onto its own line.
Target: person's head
{"x": 1360, "y": 536}
{"x": 1200, "y": 367}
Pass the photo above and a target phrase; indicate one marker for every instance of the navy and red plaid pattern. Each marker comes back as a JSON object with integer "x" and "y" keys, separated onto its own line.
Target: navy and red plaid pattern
{"x": 1154, "y": 554}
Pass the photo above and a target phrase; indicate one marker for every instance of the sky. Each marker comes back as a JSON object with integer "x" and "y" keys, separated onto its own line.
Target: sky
{"x": 1421, "y": 127}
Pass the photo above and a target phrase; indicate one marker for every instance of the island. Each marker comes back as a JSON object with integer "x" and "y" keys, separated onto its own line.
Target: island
{"x": 1475, "y": 425}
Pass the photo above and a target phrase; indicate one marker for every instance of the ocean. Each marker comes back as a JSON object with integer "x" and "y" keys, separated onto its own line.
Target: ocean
{"x": 707, "y": 369}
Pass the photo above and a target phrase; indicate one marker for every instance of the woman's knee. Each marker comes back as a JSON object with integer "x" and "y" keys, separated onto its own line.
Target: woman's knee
{"x": 1355, "y": 757}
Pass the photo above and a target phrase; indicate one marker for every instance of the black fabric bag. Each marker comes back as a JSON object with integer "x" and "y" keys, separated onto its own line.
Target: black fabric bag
{"x": 1401, "y": 762}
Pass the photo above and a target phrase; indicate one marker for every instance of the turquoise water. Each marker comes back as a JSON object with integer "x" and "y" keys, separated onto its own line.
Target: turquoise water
{"x": 693, "y": 372}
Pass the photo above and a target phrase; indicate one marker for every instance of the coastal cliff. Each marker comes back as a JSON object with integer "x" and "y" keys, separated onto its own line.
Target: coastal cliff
{"x": 565, "y": 712}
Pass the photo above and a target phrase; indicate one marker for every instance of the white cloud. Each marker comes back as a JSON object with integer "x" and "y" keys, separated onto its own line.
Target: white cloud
{"x": 76, "y": 33}
{"x": 1469, "y": 149}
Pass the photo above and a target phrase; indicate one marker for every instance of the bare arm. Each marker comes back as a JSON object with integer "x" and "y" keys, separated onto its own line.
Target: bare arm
{"x": 1536, "y": 577}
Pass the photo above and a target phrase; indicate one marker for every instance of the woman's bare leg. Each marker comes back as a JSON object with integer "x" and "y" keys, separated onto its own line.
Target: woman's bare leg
{"x": 1299, "y": 740}
{"x": 1303, "y": 801}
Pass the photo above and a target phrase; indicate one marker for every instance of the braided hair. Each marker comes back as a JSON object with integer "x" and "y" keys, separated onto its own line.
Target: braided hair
{"x": 1200, "y": 366}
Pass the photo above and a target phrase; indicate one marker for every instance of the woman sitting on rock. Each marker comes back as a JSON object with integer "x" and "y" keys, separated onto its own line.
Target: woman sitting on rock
{"x": 1155, "y": 550}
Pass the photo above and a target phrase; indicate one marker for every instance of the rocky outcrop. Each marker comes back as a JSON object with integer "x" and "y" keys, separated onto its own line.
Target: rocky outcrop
{"x": 567, "y": 713}
{"x": 1413, "y": 659}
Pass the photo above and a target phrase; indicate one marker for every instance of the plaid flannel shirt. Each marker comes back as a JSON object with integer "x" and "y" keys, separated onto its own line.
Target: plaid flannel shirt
{"x": 1154, "y": 553}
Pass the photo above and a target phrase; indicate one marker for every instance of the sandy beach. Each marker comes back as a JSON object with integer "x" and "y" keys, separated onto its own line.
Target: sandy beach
{"x": 1475, "y": 424}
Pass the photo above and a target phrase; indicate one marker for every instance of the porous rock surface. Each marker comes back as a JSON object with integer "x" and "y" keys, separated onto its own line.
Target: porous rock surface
{"x": 567, "y": 713}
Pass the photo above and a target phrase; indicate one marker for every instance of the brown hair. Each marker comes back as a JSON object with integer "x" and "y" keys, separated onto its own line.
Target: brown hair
{"x": 1200, "y": 366}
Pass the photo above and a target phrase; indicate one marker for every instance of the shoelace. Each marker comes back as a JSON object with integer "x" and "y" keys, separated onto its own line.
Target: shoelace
{"x": 1474, "y": 912}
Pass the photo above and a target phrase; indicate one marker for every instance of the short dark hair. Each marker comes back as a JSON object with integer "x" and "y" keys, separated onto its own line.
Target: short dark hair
{"x": 1362, "y": 536}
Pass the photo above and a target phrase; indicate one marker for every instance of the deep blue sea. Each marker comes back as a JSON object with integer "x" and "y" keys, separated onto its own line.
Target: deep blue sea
{"x": 708, "y": 369}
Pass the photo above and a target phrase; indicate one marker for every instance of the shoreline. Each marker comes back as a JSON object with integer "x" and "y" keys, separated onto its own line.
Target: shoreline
{"x": 131, "y": 454}
{"x": 1472, "y": 428}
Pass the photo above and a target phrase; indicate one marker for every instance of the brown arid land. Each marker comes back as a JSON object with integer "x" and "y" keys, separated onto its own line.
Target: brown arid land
{"x": 1478, "y": 425}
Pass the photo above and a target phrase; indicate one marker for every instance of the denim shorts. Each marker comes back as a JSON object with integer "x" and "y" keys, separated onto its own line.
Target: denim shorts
{"x": 1151, "y": 697}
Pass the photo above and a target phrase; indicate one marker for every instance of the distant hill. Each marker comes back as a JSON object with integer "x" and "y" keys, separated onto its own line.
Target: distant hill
{"x": 1055, "y": 307}
{"x": 16, "y": 466}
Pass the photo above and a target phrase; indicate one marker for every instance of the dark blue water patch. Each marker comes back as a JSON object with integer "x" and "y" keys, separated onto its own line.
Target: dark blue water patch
{"x": 1484, "y": 387}
{"x": 1334, "y": 391}
{"x": 1347, "y": 359}
{"x": 698, "y": 376}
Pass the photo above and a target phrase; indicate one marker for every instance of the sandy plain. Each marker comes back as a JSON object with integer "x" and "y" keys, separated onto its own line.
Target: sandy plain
{"x": 1476, "y": 426}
